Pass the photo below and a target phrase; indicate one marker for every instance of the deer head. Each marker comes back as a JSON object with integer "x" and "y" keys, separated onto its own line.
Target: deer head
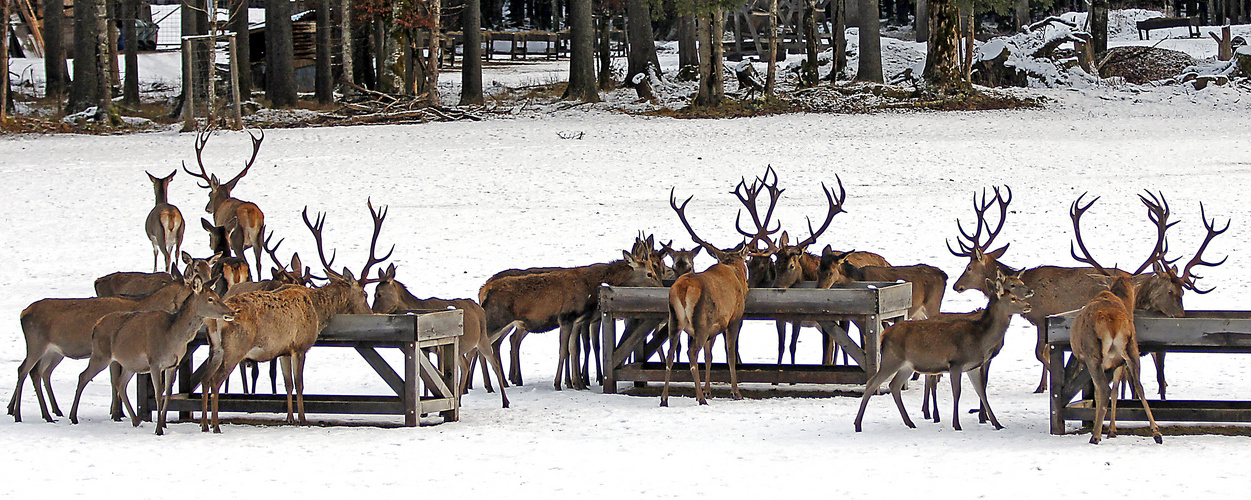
{"x": 219, "y": 191}
{"x": 161, "y": 186}
{"x": 983, "y": 262}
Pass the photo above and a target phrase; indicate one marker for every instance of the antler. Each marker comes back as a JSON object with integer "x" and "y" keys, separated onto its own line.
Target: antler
{"x": 272, "y": 251}
{"x": 378, "y": 216}
{"x": 747, "y": 195}
{"x": 1158, "y": 212}
{"x": 1075, "y": 212}
{"x": 836, "y": 207}
{"x": 256, "y": 149}
{"x": 681, "y": 210}
{"x": 316, "y": 229}
{"x": 974, "y": 244}
{"x": 1188, "y": 279}
{"x": 201, "y": 139}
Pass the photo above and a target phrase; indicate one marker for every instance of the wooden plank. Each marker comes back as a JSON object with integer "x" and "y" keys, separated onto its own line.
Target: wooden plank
{"x": 1169, "y": 411}
{"x": 608, "y": 339}
{"x": 844, "y": 339}
{"x": 431, "y": 376}
{"x": 748, "y": 373}
{"x": 410, "y": 396}
{"x": 860, "y": 298}
{"x": 449, "y": 323}
{"x": 1199, "y": 329}
{"x": 255, "y": 403}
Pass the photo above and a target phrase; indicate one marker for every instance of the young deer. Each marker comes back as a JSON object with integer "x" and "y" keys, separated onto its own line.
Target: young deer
{"x": 935, "y": 346}
{"x": 61, "y": 328}
{"x": 164, "y": 224}
{"x": 227, "y": 210}
{"x": 1103, "y": 336}
{"x": 284, "y": 324}
{"x": 149, "y": 342}
{"x": 392, "y": 297}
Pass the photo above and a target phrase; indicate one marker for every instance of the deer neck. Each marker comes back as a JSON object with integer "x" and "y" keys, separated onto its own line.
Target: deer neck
{"x": 162, "y": 193}
{"x": 330, "y": 300}
{"x": 994, "y": 321}
{"x": 186, "y": 322}
{"x": 1126, "y": 289}
{"x": 169, "y": 298}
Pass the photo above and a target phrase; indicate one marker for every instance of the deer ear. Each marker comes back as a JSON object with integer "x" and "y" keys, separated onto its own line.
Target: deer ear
{"x": 296, "y": 265}
{"x": 215, "y": 259}
{"x": 627, "y": 256}
{"x": 828, "y": 250}
{"x": 197, "y": 285}
{"x": 347, "y": 275}
{"x": 784, "y": 240}
{"x": 186, "y": 258}
{"x": 152, "y": 177}
{"x": 391, "y": 272}
{"x": 697, "y": 250}
{"x": 175, "y": 273}
{"x": 997, "y": 254}
{"x": 208, "y": 226}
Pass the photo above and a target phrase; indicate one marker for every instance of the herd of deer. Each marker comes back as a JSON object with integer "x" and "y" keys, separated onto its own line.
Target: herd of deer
{"x": 142, "y": 322}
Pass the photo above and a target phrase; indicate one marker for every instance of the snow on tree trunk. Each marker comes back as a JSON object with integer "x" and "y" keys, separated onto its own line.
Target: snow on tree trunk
{"x": 1020, "y": 15}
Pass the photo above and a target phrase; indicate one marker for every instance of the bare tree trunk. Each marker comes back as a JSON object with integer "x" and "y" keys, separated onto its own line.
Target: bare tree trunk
{"x": 324, "y": 82}
{"x": 434, "y": 53}
{"x": 471, "y": 63}
{"x": 1099, "y": 26}
{"x": 870, "y": 69}
{"x": 922, "y": 21}
{"x": 688, "y": 44}
{"x": 238, "y": 23}
{"x": 1021, "y": 14}
{"x": 604, "y": 51}
{"x": 582, "y": 53}
{"x": 942, "y": 63}
{"x": 808, "y": 71}
{"x": 771, "y": 73}
{"x": 711, "y": 71}
{"x": 279, "y": 56}
{"x": 838, "y": 24}
{"x": 88, "y": 73}
{"x": 130, "y": 38}
{"x": 111, "y": 34}
{"x": 347, "y": 73}
{"x": 54, "y": 65}
{"x": 4, "y": 61}
{"x": 642, "y": 58}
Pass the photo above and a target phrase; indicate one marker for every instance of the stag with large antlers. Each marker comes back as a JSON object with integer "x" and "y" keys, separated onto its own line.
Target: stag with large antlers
{"x": 1061, "y": 289}
{"x": 283, "y": 324}
{"x": 228, "y": 211}
{"x": 164, "y": 224}
{"x": 1103, "y": 336}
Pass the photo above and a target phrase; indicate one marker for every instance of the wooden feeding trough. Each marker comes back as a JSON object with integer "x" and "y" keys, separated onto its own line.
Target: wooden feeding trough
{"x": 1198, "y": 332}
{"x": 868, "y": 304}
{"x": 419, "y": 337}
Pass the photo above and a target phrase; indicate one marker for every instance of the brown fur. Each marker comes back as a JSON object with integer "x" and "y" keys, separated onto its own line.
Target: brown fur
{"x": 703, "y": 305}
{"x": 164, "y": 225}
{"x": 131, "y": 285}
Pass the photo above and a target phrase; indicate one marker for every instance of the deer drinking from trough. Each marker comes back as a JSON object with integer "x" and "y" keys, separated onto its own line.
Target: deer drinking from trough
{"x": 228, "y": 211}
{"x": 1062, "y": 289}
{"x": 149, "y": 342}
{"x": 1103, "y": 336}
{"x": 164, "y": 225}
{"x": 952, "y": 346}
{"x": 282, "y": 324}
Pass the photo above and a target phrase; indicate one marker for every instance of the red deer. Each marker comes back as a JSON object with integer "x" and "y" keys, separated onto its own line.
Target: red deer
{"x": 683, "y": 260}
{"x": 228, "y": 211}
{"x": 164, "y": 224}
{"x": 928, "y": 282}
{"x": 149, "y": 342}
{"x": 952, "y": 346}
{"x": 131, "y": 285}
{"x": 562, "y": 298}
{"x": 1103, "y": 337}
{"x": 283, "y": 324}
{"x": 61, "y": 328}
{"x": 711, "y": 302}
{"x": 392, "y": 297}
{"x": 1062, "y": 289}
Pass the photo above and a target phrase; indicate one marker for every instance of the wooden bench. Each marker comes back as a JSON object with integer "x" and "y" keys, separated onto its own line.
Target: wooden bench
{"x": 418, "y": 337}
{"x": 1145, "y": 26}
{"x": 1198, "y": 332}
{"x": 868, "y": 304}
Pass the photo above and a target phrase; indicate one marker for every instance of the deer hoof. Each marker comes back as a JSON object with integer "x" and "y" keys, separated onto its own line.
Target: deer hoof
{"x": 1158, "y": 439}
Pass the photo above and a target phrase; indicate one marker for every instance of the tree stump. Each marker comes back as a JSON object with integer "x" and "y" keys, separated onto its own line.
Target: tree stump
{"x": 1224, "y": 43}
{"x": 1243, "y": 60}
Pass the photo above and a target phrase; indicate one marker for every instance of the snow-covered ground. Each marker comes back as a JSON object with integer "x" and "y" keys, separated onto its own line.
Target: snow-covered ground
{"x": 469, "y": 199}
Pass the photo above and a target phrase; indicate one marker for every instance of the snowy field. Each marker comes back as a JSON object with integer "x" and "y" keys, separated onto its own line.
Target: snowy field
{"x": 469, "y": 199}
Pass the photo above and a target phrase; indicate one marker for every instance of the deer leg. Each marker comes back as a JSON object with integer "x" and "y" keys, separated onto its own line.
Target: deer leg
{"x": 489, "y": 355}
{"x": 298, "y": 362}
{"x": 115, "y": 403}
{"x": 692, "y": 354}
{"x": 731, "y": 347}
{"x": 896, "y": 392}
{"x": 1133, "y": 372}
{"x": 36, "y": 380}
{"x": 596, "y": 347}
{"x": 931, "y": 384}
{"x": 1158, "y": 357}
{"x": 158, "y": 387}
{"x": 287, "y": 382}
{"x": 781, "y": 326}
{"x": 156, "y": 250}
{"x": 1102, "y": 394}
{"x": 1040, "y": 351}
{"x": 94, "y": 367}
{"x": 471, "y": 370}
{"x": 256, "y": 375}
{"x": 243, "y": 375}
{"x": 979, "y": 386}
{"x": 563, "y": 359}
{"x": 669, "y": 358}
{"x": 710, "y": 343}
{"x": 955, "y": 398}
{"x": 122, "y": 382}
{"x": 1118, "y": 380}
{"x": 795, "y": 326}
{"x": 984, "y": 371}
{"x": 48, "y": 364}
{"x": 887, "y": 368}
{"x": 514, "y": 357}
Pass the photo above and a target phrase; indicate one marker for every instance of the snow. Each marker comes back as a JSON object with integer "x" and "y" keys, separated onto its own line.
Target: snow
{"x": 469, "y": 199}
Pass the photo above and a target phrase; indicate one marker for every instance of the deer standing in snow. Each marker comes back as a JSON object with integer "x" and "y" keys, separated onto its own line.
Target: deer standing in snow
{"x": 164, "y": 224}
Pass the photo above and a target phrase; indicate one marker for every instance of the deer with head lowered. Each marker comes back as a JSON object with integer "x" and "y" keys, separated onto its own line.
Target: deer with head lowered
{"x": 567, "y": 299}
{"x": 683, "y": 260}
{"x": 164, "y": 224}
{"x": 1103, "y": 336}
{"x": 149, "y": 342}
{"x": 228, "y": 211}
{"x": 283, "y": 324}
{"x": 1062, "y": 289}
{"x": 61, "y": 328}
{"x": 392, "y": 297}
{"x": 952, "y": 346}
